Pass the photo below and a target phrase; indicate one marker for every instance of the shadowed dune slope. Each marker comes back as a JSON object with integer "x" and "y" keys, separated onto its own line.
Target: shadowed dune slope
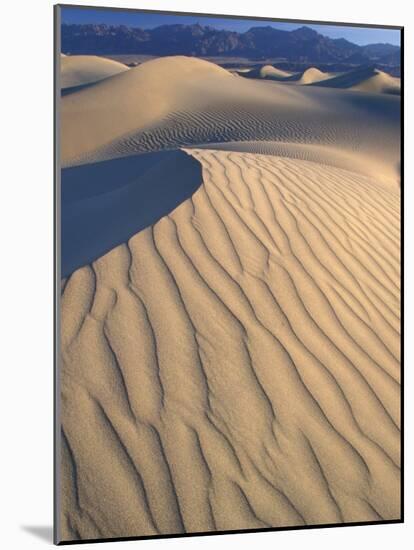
{"x": 380, "y": 82}
{"x": 104, "y": 204}
{"x": 187, "y": 102}
{"x": 236, "y": 364}
{"x": 78, "y": 70}
{"x": 366, "y": 79}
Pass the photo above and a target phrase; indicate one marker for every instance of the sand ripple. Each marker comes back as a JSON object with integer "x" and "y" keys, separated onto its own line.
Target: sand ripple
{"x": 236, "y": 365}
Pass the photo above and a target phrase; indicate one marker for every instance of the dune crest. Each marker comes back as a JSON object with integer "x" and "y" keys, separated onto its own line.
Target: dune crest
{"x": 312, "y": 75}
{"x": 266, "y": 72}
{"x": 238, "y": 361}
{"x": 380, "y": 83}
{"x": 163, "y": 84}
{"x": 366, "y": 79}
{"x": 78, "y": 70}
{"x": 269, "y": 71}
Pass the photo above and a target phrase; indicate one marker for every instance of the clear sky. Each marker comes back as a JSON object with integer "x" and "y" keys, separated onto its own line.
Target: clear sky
{"x": 357, "y": 35}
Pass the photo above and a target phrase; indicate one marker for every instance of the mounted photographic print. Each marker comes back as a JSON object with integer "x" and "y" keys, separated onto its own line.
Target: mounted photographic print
{"x": 228, "y": 202}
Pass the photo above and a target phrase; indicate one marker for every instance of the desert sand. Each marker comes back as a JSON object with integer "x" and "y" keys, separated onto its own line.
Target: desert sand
{"x": 379, "y": 82}
{"x": 187, "y": 101}
{"x": 312, "y": 75}
{"x": 266, "y": 72}
{"x": 78, "y": 70}
{"x": 366, "y": 79}
{"x": 269, "y": 72}
{"x": 231, "y": 362}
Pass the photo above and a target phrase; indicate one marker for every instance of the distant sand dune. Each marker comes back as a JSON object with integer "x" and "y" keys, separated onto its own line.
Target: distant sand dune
{"x": 270, "y": 71}
{"x": 366, "y": 79}
{"x": 188, "y": 102}
{"x": 236, "y": 365}
{"x": 312, "y": 75}
{"x": 78, "y": 70}
{"x": 380, "y": 83}
{"x": 266, "y": 72}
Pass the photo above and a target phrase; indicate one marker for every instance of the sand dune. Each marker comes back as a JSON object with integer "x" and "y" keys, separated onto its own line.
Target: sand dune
{"x": 328, "y": 155}
{"x": 238, "y": 361}
{"x": 188, "y": 102}
{"x": 77, "y": 70}
{"x": 312, "y": 75}
{"x": 267, "y": 72}
{"x": 106, "y": 203}
{"x": 230, "y": 312}
{"x": 380, "y": 83}
{"x": 366, "y": 79}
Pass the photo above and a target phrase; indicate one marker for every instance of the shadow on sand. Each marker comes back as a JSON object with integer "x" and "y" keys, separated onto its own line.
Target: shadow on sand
{"x": 106, "y": 203}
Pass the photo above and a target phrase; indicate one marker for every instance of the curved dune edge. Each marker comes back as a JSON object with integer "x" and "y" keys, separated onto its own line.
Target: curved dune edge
{"x": 384, "y": 175}
{"x": 312, "y": 76}
{"x": 237, "y": 362}
{"x": 380, "y": 83}
{"x": 78, "y": 70}
{"x": 106, "y": 203}
{"x": 268, "y": 72}
{"x": 273, "y": 72}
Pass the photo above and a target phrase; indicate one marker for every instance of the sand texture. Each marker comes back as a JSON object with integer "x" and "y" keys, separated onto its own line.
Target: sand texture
{"x": 230, "y": 359}
{"x": 187, "y": 101}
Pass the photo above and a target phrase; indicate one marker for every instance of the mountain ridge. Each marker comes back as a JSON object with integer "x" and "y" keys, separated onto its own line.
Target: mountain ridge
{"x": 303, "y": 44}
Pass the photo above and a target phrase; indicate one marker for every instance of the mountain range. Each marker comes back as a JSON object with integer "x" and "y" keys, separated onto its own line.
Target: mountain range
{"x": 303, "y": 45}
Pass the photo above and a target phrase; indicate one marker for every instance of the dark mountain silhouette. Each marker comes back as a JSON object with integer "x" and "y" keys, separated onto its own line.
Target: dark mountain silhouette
{"x": 300, "y": 45}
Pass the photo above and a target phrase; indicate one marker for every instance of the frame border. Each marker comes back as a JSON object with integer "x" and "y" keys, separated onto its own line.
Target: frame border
{"x": 57, "y": 291}
{"x": 56, "y": 276}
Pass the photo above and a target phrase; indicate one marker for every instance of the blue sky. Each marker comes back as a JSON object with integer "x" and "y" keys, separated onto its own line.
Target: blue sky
{"x": 357, "y": 35}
